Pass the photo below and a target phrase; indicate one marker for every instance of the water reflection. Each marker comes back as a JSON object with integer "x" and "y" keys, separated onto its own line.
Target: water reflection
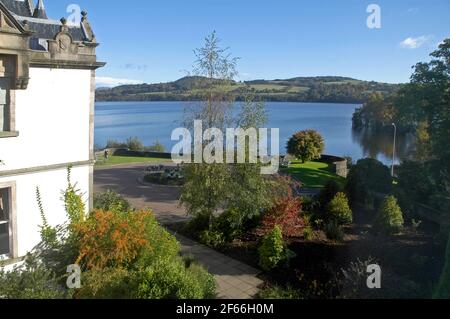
{"x": 380, "y": 144}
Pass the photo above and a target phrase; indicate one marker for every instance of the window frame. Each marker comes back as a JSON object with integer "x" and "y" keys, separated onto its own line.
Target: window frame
{"x": 11, "y": 98}
{"x": 11, "y": 191}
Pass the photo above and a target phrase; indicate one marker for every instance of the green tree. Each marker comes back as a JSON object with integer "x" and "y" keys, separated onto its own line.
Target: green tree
{"x": 205, "y": 191}
{"x": 339, "y": 209}
{"x": 377, "y": 113}
{"x": 248, "y": 189}
{"x": 306, "y": 145}
{"x": 239, "y": 189}
{"x": 134, "y": 144}
{"x": 427, "y": 99}
{"x": 390, "y": 216}
{"x": 272, "y": 250}
{"x": 156, "y": 147}
{"x": 424, "y": 105}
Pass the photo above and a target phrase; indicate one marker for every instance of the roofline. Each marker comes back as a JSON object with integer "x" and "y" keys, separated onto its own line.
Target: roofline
{"x": 13, "y": 19}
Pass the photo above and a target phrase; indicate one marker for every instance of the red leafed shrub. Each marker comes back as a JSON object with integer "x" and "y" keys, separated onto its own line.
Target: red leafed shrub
{"x": 285, "y": 213}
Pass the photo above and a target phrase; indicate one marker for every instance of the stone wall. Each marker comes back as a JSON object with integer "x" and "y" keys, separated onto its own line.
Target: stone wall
{"x": 339, "y": 164}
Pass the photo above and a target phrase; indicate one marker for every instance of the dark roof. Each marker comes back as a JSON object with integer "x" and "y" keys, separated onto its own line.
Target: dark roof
{"x": 21, "y": 8}
{"x": 49, "y": 29}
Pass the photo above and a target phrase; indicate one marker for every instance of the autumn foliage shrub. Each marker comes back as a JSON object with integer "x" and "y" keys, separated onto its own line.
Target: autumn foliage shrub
{"x": 108, "y": 239}
{"x": 286, "y": 214}
{"x": 286, "y": 209}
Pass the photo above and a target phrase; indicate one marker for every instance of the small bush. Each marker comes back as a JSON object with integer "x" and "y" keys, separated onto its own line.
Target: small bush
{"x": 230, "y": 224}
{"x": 212, "y": 238}
{"x": 339, "y": 209}
{"x": 172, "y": 280}
{"x": 272, "y": 250}
{"x": 162, "y": 280}
{"x": 107, "y": 283}
{"x": 308, "y": 233}
{"x": 204, "y": 279}
{"x": 334, "y": 231}
{"x": 111, "y": 201}
{"x": 390, "y": 217}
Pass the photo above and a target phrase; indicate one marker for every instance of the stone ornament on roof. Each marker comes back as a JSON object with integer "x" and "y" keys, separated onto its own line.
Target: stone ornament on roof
{"x": 42, "y": 42}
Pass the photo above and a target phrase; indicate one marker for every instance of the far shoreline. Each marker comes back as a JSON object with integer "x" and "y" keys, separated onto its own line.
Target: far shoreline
{"x": 237, "y": 101}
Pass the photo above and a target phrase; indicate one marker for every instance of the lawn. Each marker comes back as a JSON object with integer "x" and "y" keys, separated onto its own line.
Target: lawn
{"x": 313, "y": 174}
{"x": 117, "y": 160}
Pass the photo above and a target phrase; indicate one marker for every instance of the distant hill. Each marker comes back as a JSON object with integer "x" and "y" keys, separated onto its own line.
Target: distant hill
{"x": 330, "y": 89}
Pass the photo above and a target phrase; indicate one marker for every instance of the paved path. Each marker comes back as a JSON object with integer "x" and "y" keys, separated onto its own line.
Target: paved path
{"x": 235, "y": 280}
{"x": 163, "y": 200}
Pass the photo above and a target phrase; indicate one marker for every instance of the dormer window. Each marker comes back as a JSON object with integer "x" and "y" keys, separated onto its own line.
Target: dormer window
{"x": 7, "y": 67}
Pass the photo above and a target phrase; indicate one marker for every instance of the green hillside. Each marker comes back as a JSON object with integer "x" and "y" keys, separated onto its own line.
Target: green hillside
{"x": 331, "y": 89}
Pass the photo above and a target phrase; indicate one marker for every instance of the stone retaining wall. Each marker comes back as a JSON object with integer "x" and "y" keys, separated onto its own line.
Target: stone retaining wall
{"x": 339, "y": 164}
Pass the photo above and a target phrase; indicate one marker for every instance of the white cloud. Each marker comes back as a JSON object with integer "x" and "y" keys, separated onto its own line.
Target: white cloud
{"x": 412, "y": 10}
{"x": 104, "y": 81}
{"x": 415, "y": 43}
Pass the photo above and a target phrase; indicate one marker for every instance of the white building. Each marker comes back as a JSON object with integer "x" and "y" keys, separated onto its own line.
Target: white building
{"x": 47, "y": 90}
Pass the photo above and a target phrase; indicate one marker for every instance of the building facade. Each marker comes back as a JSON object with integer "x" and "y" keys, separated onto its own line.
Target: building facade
{"x": 47, "y": 94}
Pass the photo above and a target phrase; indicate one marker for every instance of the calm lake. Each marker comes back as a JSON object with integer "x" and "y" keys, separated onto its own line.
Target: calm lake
{"x": 152, "y": 121}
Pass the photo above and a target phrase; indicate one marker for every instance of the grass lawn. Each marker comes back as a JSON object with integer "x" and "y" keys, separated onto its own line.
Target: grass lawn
{"x": 116, "y": 160}
{"x": 313, "y": 174}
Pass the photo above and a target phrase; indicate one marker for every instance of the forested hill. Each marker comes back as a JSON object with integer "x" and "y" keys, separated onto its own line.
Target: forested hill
{"x": 331, "y": 89}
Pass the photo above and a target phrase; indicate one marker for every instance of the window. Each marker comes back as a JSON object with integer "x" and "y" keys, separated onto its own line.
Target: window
{"x": 5, "y": 223}
{"x": 7, "y": 73}
{"x": 4, "y": 106}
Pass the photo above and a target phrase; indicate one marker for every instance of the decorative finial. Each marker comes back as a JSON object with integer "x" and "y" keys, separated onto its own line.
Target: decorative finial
{"x": 63, "y": 21}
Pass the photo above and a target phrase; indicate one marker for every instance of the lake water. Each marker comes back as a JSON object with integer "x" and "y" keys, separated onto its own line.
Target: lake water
{"x": 152, "y": 121}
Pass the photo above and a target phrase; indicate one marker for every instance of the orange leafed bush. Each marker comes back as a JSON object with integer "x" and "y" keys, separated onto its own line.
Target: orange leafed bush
{"x": 108, "y": 239}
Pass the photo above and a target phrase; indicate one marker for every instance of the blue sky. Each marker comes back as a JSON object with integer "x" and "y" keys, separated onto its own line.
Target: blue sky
{"x": 153, "y": 41}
